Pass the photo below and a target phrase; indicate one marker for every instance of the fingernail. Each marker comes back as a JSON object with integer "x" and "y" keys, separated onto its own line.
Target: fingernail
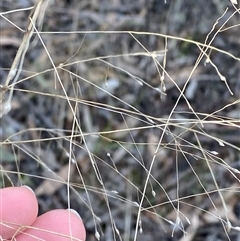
{"x": 29, "y": 188}
{"x": 75, "y": 212}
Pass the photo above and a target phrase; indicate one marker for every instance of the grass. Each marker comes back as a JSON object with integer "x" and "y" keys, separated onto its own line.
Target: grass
{"x": 120, "y": 124}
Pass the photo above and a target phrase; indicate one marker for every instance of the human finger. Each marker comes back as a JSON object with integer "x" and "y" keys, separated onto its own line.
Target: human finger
{"x": 18, "y": 208}
{"x": 55, "y": 225}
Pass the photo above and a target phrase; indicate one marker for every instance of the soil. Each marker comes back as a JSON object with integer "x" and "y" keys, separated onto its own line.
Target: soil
{"x": 109, "y": 56}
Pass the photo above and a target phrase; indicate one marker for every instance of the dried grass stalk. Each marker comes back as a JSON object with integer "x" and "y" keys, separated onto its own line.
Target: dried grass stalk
{"x": 35, "y": 19}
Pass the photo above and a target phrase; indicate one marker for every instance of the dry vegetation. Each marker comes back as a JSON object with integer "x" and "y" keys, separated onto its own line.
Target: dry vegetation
{"x": 127, "y": 111}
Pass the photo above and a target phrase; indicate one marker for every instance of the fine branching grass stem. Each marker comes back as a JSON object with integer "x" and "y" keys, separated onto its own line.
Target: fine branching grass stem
{"x": 124, "y": 163}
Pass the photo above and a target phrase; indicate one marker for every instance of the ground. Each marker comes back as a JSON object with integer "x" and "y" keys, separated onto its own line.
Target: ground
{"x": 128, "y": 111}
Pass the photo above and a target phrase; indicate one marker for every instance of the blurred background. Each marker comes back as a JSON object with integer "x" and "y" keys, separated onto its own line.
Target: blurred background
{"x": 113, "y": 89}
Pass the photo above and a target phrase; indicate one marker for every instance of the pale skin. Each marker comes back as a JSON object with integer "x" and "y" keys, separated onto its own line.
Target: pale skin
{"x": 19, "y": 221}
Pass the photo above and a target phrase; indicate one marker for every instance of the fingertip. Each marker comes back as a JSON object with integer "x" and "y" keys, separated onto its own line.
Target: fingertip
{"x": 75, "y": 213}
{"x": 29, "y": 188}
{"x": 18, "y": 208}
{"x": 56, "y": 225}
